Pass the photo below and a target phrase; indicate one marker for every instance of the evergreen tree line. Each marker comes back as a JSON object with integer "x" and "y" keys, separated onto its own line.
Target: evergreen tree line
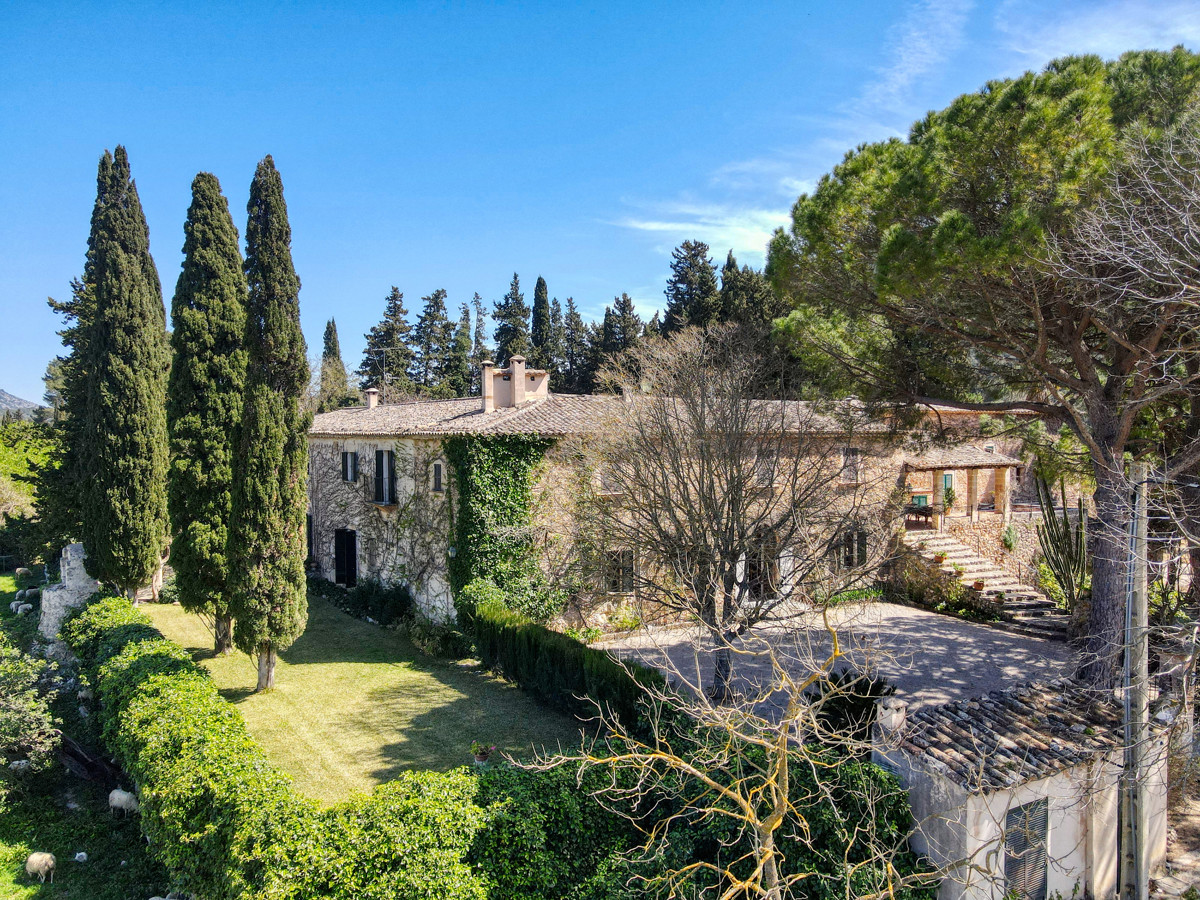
{"x": 438, "y": 357}
{"x": 191, "y": 444}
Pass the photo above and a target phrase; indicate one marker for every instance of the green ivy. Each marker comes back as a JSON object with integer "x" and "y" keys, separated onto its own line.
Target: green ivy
{"x": 494, "y": 478}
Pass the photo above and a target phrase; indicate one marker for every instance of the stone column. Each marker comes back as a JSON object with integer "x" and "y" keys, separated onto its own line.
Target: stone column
{"x": 1003, "y": 500}
{"x": 973, "y": 494}
{"x": 936, "y": 499}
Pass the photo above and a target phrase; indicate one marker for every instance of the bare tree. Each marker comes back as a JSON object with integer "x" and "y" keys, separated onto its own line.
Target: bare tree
{"x": 714, "y": 497}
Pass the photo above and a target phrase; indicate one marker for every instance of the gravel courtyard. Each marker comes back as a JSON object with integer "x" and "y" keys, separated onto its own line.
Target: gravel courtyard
{"x": 930, "y": 658}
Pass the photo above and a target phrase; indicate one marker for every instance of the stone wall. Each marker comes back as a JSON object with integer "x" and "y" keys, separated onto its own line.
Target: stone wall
{"x": 985, "y": 538}
{"x": 74, "y": 588}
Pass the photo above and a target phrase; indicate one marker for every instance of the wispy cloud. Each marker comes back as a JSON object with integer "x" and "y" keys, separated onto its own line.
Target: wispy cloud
{"x": 745, "y": 230}
{"x": 1035, "y": 34}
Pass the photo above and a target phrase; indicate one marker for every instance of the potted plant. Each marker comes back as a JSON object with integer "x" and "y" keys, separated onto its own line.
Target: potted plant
{"x": 481, "y": 751}
{"x": 939, "y": 557}
{"x": 979, "y": 585}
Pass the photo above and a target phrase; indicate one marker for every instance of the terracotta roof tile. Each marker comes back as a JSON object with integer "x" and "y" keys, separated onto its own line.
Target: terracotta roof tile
{"x": 1015, "y": 735}
{"x": 964, "y": 457}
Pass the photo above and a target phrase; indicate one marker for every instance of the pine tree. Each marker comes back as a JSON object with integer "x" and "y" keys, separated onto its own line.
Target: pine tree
{"x": 431, "y": 340}
{"x": 512, "y": 324}
{"x": 124, "y": 456}
{"x": 204, "y": 403}
{"x": 389, "y": 353}
{"x": 746, "y": 295}
{"x": 555, "y": 349}
{"x": 335, "y": 384}
{"x": 267, "y": 532}
{"x": 457, "y": 381}
{"x": 575, "y": 351}
{"x": 692, "y": 295}
{"x": 539, "y": 332}
{"x": 627, "y": 324}
{"x": 653, "y": 326}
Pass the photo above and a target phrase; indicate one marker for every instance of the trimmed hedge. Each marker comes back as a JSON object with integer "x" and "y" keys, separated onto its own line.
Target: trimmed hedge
{"x": 557, "y": 669}
{"x": 228, "y": 824}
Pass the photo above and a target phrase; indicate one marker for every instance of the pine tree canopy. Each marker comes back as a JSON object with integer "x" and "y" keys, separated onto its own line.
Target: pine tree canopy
{"x": 204, "y": 405}
{"x": 334, "y": 389}
{"x": 121, "y": 454}
{"x": 746, "y": 296}
{"x": 389, "y": 354}
{"x": 576, "y": 379}
{"x": 267, "y": 535}
{"x": 540, "y": 328}
{"x": 431, "y": 338}
{"x": 692, "y": 295}
{"x": 457, "y": 380}
{"x": 512, "y": 324}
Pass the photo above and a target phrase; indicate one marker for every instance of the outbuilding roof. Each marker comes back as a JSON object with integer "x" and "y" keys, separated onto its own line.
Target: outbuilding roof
{"x": 963, "y": 457}
{"x": 1013, "y": 736}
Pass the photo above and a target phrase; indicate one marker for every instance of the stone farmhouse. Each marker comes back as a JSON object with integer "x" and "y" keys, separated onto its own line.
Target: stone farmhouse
{"x": 380, "y": 485}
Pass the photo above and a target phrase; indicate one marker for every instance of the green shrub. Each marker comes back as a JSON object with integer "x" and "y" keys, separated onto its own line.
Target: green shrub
{"x": 443, "y": 640}
{"x": 387, "y": 604}
{"x": 472, "y": 595}
{"x": 557, "y": 669}
{"x": 1048, "y": 585}
{"x": 28, "y": 730}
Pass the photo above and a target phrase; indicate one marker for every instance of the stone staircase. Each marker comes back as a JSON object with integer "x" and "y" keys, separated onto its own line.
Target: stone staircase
{"x": 1024, "y": 610}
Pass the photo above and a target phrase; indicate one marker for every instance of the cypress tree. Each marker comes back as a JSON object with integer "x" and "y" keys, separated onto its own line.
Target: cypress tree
{"x": 539, "y": 332}
{"x": 457, "y": 380}
{"x": 124, "y": 458}
{"x": 389, "y": 353}
{"x": 746, "y": 295}
{"x": 266, "y": 537}
{"x": 335, "y": 385}
{"x": 512, "y": 324}
{"x": 692, "y": 295}
{"x": 480, "y": 350}
{"x": 204, "y": 403}
{"x": 555, "y": 349}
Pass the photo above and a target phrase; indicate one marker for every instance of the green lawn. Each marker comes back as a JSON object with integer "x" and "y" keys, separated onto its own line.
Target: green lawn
{"x": 355, "y": 704}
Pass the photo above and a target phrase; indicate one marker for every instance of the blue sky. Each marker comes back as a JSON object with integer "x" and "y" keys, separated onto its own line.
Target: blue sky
{"x": 449, "y": 145}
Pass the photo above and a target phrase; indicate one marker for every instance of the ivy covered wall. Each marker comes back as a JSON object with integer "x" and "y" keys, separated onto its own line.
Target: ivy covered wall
{"x": 491, "y": 527}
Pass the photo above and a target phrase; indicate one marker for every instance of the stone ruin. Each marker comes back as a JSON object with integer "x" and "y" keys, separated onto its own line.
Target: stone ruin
{"x": 71, "y": 592}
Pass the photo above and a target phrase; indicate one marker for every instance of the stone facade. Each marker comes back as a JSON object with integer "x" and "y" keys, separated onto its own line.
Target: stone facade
{"x": 71, "y": 592}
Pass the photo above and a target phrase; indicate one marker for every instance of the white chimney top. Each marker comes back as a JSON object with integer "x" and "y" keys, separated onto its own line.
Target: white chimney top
{"x": 372, "y": 395}
{"x": 892, "y": 714}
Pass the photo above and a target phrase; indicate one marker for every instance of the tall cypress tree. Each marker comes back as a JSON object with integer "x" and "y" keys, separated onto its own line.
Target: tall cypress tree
{"x": 389, "y": 353}
{"x": 480, "y": 350}
{"x": 746, "y": 296}
{"x": 512, "y": 324}
{"x": 555, "y": 349}
{"x": 539, "y": 331}
{"x": 334, "y": 391}
{"x": 267, "y": 537}
{"x": 124, "y": 452}
{"x": 204, "y": 403}
{"x": 457, "y": 380}
{"x": 575, "y": 351}
{"x": 692, "y": 295}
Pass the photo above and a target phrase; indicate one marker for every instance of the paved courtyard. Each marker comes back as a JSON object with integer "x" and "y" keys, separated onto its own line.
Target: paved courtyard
{"x": 930, "y": 658}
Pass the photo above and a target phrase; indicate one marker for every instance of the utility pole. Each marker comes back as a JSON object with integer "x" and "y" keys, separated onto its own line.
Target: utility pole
{"x": 1134, "y": 822}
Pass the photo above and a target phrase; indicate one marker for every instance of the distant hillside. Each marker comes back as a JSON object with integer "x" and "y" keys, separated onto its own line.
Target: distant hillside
{"x": 8, "y": 401}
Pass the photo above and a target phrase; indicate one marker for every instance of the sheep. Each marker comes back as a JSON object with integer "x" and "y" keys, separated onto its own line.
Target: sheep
{"x": 80, "y": 857}
{"x": 33, "y": 593}
{"x": 122, "y": 800}
{"x": 41, "y": 865}
{"x": 18, "y": 765}
{"x": 21, "y": 594}
{"x": 24, "y": 608}
{"x": 12, "y": 607}
{"x": 22, "y": 572}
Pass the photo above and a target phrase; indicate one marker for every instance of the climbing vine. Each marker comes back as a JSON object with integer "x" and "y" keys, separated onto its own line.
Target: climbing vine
{"x": 491, "y": 527}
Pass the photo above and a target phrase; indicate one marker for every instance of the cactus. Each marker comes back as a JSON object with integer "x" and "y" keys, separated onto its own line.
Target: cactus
{"x": 1064, "y": 543}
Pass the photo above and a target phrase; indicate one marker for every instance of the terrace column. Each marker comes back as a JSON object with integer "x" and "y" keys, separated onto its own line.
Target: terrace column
{"x": 937, "y": 498}
{"x": 973, "y": 494}
{"x": 1003, "y": 500}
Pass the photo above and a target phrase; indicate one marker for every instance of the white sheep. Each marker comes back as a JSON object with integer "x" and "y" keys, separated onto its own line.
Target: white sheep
{"x": 33, "y": 593}
{"x": 18, "y": 765}
{"x": 21, "y": 594}
{"x": 80, "y": 857}
{"x": 24, "y": 608}
{"x": 41, "y": 865}
{"x": 12, "y": 607}
{"x": 22, "y": 572}
{"x": 122, "y": 800}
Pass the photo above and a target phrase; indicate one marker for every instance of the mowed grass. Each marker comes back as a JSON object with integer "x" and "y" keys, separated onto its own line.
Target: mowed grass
{"x": 354, "y": 704}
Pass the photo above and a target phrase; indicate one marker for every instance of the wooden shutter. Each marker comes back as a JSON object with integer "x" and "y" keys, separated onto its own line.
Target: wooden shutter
{"x": 339, "y": 556}
{"x": 380, "y": 476}
{"x": 437, "y": 477}
{"x": 862, "y": 547}
{"x": 391, "y": 477}
{"x": 1025, "y": 851}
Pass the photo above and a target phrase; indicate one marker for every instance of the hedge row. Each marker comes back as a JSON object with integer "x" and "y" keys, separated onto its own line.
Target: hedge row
{"x": 557, "y": 669}
{"x": 227, "y": 824}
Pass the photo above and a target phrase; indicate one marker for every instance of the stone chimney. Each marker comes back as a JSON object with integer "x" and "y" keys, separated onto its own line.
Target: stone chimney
{"x": 516, "y": 368}
{"x": 488, "y": 387}
{"x": 372, "y": 395}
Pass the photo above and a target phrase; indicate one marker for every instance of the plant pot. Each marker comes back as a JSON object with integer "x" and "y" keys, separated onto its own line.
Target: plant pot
{"x": 481, "y": 758}
{"x": 939, "y": 558}
{"x": 979, "y": 586}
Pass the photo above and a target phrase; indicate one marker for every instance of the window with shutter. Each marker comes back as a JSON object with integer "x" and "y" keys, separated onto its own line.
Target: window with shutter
{"x": 437, "y": 478}
{"x": 1025, "y": 851}
{"x": 380, "y": 477}
{"x": 618, "y": 571}
{"x": 349, "y": 466}
{"x": 391, "y": 477}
